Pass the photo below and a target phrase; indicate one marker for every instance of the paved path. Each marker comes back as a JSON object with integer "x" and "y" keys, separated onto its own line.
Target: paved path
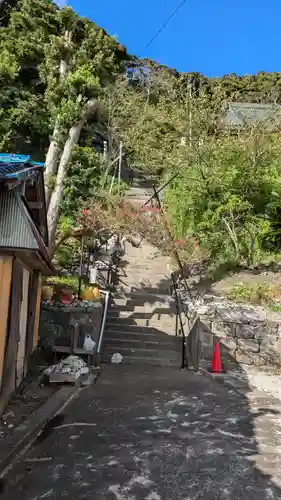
{"x": 156, "y": 434}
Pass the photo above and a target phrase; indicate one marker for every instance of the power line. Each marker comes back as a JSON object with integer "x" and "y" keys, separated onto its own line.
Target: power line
{"x": 166, "y": 22}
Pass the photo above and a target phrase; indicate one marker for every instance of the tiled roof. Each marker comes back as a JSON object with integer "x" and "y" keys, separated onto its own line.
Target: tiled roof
{"x": 244, "y": 113}
{"x": 15, "y": 227}
{"x": 18, "y": 230}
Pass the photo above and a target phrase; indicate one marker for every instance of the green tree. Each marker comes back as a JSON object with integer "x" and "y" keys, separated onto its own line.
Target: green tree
{"x": 24, "y": 120}
{"x": 91, "y": 59}
{"x": 83, "y": 179}
{"x": 223, "y": 195}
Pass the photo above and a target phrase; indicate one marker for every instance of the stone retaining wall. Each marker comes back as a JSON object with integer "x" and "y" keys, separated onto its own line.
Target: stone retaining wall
{"x": 248, "y": 335}
{"x": 58, "y": 321}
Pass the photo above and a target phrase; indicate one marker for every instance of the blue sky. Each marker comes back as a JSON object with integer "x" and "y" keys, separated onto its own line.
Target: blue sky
{"x": 213, "y": 37}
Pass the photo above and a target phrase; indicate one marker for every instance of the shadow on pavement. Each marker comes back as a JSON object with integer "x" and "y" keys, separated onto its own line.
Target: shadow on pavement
{"x": 156, "y": 433}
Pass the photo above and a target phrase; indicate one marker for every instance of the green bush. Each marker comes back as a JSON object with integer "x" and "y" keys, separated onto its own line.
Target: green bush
{"x": 257, "y": 293}
{"x": 228, "y": 197}
{"x": 69, "y": 281}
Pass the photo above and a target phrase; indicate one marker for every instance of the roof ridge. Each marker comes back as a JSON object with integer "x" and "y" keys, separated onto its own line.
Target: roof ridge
{"x": 252, "y": 104}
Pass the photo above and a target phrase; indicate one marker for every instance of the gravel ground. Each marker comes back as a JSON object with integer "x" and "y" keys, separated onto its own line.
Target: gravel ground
{"x": 269, "y": 383}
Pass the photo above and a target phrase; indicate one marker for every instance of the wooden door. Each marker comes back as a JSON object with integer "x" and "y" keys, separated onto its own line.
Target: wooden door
{"x": 6, "y": 267}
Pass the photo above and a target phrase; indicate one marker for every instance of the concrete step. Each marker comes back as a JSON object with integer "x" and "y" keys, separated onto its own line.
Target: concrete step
{"x": 161, "y": 292}
{"x": 163, "y": 324}
{"x": 141, "y": 362}
{"x": 148, "y": 296}
{"x": 139, "y": 316}
{"x": 159, "y": 289}
{"x": 140, "y": 186}
{"x": 135, "y": 360}
{"x": 140, "y": 345}
{"x": 164, "y": 329}
{"x": 137, "y": 200}
{"x": 140, "y": 192}
{"x": 148, "y": 309}
{"x": 142, "y": 299}
{"x": 148, "y": 303}
{"x": 137, "y": 197}
{"x": 141, "y": 330}
{"x": 119, "y": 312}
{"x": 144, "y": 356}
{"x": 131, "y": 337}
{"x": 146, "y": 291}
{"x": 143, "y": 351}
{"x": 144, "y": 281}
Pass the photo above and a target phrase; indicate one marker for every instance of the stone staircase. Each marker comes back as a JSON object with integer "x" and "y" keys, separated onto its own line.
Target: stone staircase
{"x": 141, "y": 190}
{"x": 141, "y": 327}
{"x": 141, "y": 320}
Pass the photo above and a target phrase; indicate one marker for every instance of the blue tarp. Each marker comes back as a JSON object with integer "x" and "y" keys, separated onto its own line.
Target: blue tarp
{"x": 12, "y": 165}
{"x": 9, "y": 158}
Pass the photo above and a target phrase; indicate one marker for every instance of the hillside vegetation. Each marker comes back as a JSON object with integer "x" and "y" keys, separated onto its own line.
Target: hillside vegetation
{"x": 66, "y": 86}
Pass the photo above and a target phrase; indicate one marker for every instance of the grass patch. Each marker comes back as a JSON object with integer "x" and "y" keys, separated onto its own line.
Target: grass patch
{"x": 262, "y": 294}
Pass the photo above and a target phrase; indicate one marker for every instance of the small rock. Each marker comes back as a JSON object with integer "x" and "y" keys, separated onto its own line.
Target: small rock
{"x": 116, "y": 358}
{"x": 244, "y": 358}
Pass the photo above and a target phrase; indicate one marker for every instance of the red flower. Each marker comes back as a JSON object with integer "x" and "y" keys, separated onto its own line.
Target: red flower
{"x": 85, "y": 212}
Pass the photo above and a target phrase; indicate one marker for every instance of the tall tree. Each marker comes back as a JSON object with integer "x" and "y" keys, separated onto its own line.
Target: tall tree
{"x": 91, "y": 61}
{"x": 24, "y": 120}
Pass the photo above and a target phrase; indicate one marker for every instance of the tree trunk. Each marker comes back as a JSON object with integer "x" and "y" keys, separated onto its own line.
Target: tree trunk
{"x": 57, "y": 195}
{"x": 51, "y": 164}
{"x": 233, "y": 237}
{"x": 56, "y": 198}
{"x": 52, "y": 157}
{"x": 251, "y": 249}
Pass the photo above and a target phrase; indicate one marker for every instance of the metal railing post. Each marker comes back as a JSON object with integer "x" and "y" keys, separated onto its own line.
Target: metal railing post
{"x": 103, "y": 322}
{"x": 184, "y": 363}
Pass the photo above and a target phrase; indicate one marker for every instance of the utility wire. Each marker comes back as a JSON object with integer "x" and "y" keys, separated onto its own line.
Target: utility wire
{"x": 166, "y": 22}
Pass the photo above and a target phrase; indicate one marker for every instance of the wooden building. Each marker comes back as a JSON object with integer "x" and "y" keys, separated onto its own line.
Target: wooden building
{"x": 24, "y": 259}
{"x": 238, "y": 115}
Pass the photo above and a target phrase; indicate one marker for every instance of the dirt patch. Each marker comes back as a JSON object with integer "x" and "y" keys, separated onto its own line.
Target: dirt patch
{"x": 246, "y": 277}
{"x": 30, "y": 395}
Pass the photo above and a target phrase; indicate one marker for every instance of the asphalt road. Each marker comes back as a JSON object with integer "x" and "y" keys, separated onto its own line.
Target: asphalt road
{"x": 155, "y": 434}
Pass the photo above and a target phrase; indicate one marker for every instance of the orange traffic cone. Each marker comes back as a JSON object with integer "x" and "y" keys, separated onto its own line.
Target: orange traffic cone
{"x": 216, "y": 362}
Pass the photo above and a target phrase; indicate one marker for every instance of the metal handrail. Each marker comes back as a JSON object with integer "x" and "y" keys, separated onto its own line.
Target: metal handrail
{"x": 189, "y": 341}
{"x": 106, "y": 293}
{"x": 112, "y": 265}
{"x": 179, "y": 318}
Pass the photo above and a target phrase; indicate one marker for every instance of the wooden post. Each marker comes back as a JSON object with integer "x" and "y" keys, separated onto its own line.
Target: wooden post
{"x": 119, "y": 167}
{"x": 81, "y": 264}
{"x": 6, "y": 265}
{"x": 37, "y": 312}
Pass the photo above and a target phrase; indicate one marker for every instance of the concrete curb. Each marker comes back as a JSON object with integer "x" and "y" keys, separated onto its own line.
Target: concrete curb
{"x": 26, "y": 433}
